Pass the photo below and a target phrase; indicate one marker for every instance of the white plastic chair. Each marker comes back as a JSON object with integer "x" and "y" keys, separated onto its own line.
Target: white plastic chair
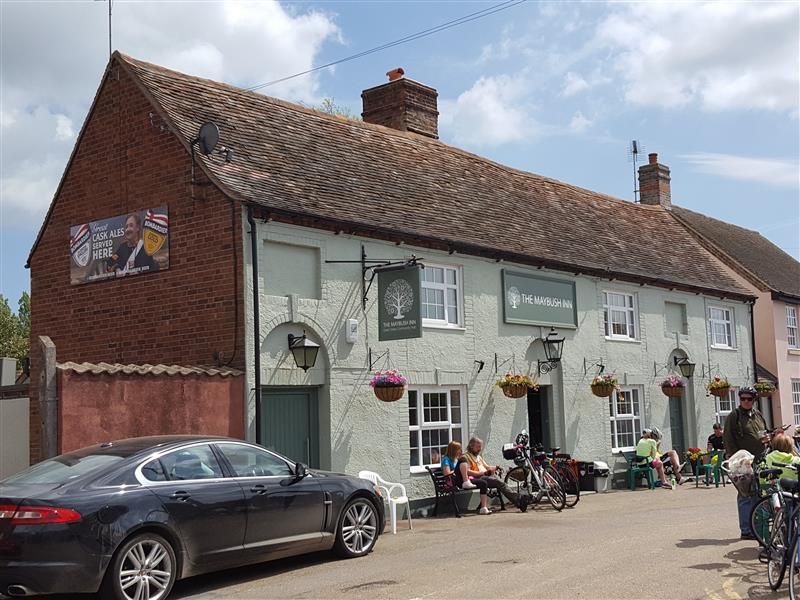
{"x": 388, "y": 487}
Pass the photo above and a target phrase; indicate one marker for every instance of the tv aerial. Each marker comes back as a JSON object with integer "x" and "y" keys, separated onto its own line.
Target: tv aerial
{"x": 634, "y": 150}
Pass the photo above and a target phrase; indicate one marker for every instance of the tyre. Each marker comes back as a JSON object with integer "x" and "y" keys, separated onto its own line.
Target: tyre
{"x": 520, "y": 482}
{"x": 572, "y": 486}
{"x": 777, "y": 552}
{"x": 794, "y": 576}
{"x": 554, "y": 488}
{"x": 358, "y": 529}
{"x": 143, "y": 567}
{"x": 761, "y": 518}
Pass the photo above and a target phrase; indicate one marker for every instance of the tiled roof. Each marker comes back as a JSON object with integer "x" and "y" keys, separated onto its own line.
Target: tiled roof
{"x": 762, "y": 374}
{"x": 113, "y": 369}
{"x": 302, "y": 163}
{"x": 746, "y": 251}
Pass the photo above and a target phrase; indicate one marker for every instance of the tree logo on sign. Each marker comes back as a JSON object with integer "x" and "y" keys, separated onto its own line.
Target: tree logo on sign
{"x": 514, "y": 297}
{"x": 398, "y": 298}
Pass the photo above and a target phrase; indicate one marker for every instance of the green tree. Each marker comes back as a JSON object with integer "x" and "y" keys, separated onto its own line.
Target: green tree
{"x": 15, "y": 329}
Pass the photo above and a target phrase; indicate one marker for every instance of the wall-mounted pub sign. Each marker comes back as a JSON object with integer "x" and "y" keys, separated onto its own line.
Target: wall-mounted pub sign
{"x": 535, "y": 300}
{"x": 130, "y": 244}
{"x": 399, "y": 303}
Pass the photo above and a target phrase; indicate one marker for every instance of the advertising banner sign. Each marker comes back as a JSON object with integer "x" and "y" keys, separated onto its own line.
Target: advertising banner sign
{"x": 120, "y": 246}
{"x": 535, "y": 300}
{"x": 399, "y": 304}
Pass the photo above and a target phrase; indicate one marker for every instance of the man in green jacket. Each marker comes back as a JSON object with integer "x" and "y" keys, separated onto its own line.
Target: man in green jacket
{"x": 744, "y": 429}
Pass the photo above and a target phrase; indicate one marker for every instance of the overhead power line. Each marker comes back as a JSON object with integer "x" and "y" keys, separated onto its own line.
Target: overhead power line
{"x": 403, "y": 40}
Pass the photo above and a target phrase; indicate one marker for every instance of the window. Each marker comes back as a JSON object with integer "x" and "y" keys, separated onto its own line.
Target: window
{"x": 435, "y": 418}
{"x": 626, "y": 421}
{"x": 154, "y": 471}
{"x": 196, "y": 462}
{"x": 442, "y": 296}
{"x": 619, "y": 311}
{"x": 247, "y": 461}
{"x": 791, "y": 326}
{"x": 675, "y": 314}
{"x": 725, "y": 405}
{"x": 720, "y": 324}
{"x": 796, "y": 401}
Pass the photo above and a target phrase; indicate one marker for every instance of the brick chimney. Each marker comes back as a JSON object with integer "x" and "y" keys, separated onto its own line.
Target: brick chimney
{"x": 654, "y": 183}
{"x": 402, "y": 104}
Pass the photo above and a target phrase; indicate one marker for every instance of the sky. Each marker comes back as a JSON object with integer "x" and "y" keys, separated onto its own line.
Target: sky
{"x": 555, "y": 88}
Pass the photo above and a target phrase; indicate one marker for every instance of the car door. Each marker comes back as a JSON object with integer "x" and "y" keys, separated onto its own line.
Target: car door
{"x": 280, "y": 518}
{"x": 207, "y": 508}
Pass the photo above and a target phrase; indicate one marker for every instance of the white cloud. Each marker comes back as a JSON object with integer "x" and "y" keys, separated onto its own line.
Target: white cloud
{"x": 64, "y": 128}
{"x": 766, "y": 171}
{"x": 722, "y": 55}
{"x": 574, "y": 84}
{"x": 492, "y": 112}
{"x": 579, "y": 123}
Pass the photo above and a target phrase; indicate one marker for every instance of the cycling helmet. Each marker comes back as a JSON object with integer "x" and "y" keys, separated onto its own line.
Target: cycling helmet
{"x": 522, "y": 438}
{"x": 747, "y": 390}
{"x": 656, "y": 433}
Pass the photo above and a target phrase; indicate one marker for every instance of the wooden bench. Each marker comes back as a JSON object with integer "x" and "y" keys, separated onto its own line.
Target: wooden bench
{"x": 445, "y": 485}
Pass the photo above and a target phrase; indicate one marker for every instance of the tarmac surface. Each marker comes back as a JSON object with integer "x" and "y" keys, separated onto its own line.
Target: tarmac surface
{"x": 644, "y": 544}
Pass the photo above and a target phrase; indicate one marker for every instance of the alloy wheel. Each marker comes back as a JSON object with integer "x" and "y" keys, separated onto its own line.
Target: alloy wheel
{"x": 145, "y": 571}
{"x": 359, "y": 527}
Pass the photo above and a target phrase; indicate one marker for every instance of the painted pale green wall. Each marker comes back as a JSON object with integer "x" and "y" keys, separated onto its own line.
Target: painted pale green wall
{"x": 361, "y": 432}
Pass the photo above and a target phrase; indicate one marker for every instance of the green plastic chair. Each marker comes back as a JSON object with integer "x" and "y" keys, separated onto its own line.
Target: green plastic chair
{"x": 711, "y": 469}
{"x": 637, "y": 471}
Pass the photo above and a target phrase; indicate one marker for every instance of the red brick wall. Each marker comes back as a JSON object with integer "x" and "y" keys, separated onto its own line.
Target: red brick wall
{"x": 100, "y": 408}
{"x": 182, "y": 315}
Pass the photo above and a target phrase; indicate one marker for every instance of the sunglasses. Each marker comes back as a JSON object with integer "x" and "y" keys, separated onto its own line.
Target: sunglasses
{"x": 746, "y": 399}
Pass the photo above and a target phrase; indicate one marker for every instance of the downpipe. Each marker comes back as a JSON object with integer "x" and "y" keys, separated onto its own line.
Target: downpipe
{"x": 256, "y": 321}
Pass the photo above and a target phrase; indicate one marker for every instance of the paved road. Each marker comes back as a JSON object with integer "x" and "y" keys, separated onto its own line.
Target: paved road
{"x": 644, "y": 544}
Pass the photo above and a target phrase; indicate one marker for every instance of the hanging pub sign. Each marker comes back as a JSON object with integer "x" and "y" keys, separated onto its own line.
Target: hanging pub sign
{"x": 535, "y": 300}
{"x": 130, "y": 244}
{"x": 399, "y": 307}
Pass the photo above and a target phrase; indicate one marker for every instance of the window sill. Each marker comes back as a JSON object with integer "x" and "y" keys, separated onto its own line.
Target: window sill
{"x": 623, "y": 339}
{"x": 794, "y": 351}
{"x": 621, "y": 450}
{"x": 420, "y": 470}
{"x": 725, "y": 348}
{"x": 435, "y": 325}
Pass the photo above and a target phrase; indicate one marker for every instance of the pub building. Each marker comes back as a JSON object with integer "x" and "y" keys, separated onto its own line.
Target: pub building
{"x": 307, "y": 251}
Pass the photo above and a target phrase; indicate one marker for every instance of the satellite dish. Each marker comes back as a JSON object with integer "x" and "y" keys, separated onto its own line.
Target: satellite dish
{"x": 208, "y": 137}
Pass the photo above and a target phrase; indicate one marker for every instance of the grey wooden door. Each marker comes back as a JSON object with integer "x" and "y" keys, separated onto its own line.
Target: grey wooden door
{"x": 290, "y": 423}
{"x": 676, "y": 424}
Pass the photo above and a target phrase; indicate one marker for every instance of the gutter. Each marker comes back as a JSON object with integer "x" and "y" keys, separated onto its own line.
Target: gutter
{"x": 256, "y": 321}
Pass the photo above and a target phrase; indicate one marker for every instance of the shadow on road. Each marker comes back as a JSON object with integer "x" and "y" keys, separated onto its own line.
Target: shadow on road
{"x": 705, "y": 542}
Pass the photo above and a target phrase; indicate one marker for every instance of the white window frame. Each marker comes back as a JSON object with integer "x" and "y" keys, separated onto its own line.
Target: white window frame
{"x": 631, "y": 315}
{"x": 444, "y": 287}
{"x": 449, "y": 424}
{"x": 791, "y": 326}
{"x": 732, "y": 401}
{"x": 730, "y": 322}
{"x": 796, "y": 401}
{"x": 635, "y": 418}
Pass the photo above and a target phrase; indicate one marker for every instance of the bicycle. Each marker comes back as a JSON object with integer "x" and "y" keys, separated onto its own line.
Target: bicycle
{"x": 762, "y": 515}
{"x": 569, "y": 480}
{"x": 781, "y": 549}
{"x": 533, "y": 474}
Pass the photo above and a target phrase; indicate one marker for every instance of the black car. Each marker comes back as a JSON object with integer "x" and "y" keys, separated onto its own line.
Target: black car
{"x": 131, "y": 517}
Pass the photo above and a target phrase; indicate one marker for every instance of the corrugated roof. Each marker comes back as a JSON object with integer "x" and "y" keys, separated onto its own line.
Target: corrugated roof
{"x": 747, "y": 251}
{"x": 112, "y": 369}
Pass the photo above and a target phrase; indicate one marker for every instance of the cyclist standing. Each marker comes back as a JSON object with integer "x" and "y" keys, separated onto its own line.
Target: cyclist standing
{"x": 744, "y": 428}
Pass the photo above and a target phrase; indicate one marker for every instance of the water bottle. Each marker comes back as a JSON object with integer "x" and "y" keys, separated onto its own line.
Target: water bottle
{"x": 672, "y": 482}
{"x": 776, "y": 502}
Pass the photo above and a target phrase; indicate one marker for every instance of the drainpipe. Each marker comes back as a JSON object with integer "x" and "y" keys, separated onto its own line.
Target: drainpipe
{"x": 256, "y": 321}
{"x": 753, "y": 352}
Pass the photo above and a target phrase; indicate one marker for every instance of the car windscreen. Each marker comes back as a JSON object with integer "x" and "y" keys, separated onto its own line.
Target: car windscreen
{"x": 65, "y": 468}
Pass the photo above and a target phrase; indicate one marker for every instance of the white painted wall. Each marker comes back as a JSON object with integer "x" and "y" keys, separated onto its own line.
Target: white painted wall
{"x": 365, "y": 433}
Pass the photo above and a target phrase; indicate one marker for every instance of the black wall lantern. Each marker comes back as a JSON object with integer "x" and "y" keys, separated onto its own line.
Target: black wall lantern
{"x": 686, "y": 367}
{"x": 304, "y": 351}
{"x": 553, "y": 347}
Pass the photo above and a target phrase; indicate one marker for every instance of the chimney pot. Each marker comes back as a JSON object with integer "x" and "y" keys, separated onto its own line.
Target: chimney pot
{"x": 654, "y": 183}
{"x": 395, "y": 74}
{"x": 653, "y": 156}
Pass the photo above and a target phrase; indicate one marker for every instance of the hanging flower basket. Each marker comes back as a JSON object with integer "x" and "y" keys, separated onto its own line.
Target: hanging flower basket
{"x": 764, "y": 388}
{"x": 389, "y": 386}
{"x": 604, "y": 385}
{"x": 718, "y": 387}
{"x": 389, "y": 393}
{"x": 672, "y": 386}
{"x": 602, "y": 390}
{"x": 516, "y": 385}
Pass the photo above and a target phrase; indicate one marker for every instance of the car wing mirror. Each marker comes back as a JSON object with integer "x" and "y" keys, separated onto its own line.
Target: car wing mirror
{"x": 300, "y": 472}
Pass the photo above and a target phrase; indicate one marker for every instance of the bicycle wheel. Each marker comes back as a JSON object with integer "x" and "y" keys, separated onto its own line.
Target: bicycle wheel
{"x": 761, "y": 518}
{"x": 572, "y": 486}
{"x": 794, "y": 576}
{"x": 778, "y": 554}
{"x": 518, "y": 480}
{"x": 553, "y": 488}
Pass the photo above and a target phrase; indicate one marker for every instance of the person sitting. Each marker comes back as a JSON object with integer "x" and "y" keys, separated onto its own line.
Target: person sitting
{"x": 669, "y": 458}
{"x": 647, "y": 453}
{"x": 454, "y": 464}
{"x": 716, "y": 441}
{"x": 783, "y": 453}
{"x": 476, "y": 470}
